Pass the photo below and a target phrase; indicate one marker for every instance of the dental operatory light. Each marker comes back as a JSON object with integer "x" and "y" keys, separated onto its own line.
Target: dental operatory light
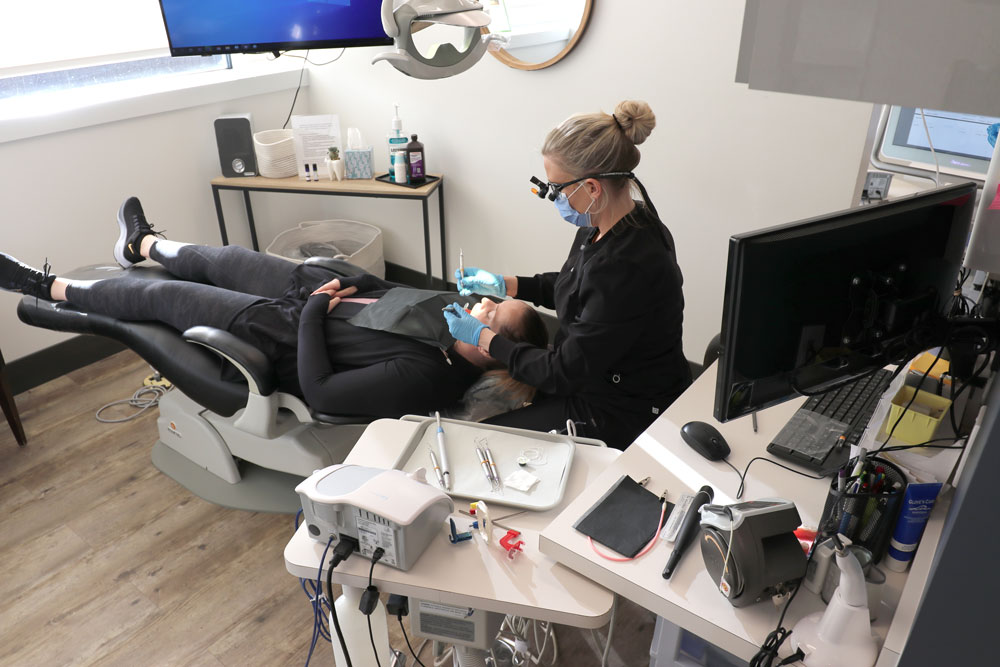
{"x": 442, "y": 60}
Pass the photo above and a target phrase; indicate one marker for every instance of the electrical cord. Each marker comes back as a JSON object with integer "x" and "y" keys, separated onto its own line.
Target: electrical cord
{"x": 144, "y": 399}
{"x": 902, "y": 413}
{"x": 743, "y": 476}
{"x": 297, "y": 88}
{"x": 769, "y": 649}
{"x": 956, "y": 393}
{"x": 399, "y": 617}
{"x": 518, "y": 626}
{"x": 369, "y": 605}
{"x": 306, "y": 57}
{"x": 341, "y": 552}
{"x": 316, "y": 604}
{"x": 645, "y": 550}
{"x": 930, "y": 144}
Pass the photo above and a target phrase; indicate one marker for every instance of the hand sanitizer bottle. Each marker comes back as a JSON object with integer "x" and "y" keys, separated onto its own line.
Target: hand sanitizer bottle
{"x": 397, "y": 142}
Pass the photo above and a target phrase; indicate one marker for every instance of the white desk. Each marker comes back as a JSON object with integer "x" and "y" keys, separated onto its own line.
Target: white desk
{"x": 472, "y": 574}
{"x": 690, "y": 598}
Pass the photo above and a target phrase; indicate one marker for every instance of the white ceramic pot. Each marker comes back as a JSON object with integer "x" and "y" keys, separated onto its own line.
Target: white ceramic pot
{"x": 335, "y": 169}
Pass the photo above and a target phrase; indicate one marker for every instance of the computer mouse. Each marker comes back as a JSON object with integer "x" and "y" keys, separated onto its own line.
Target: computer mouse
{"x": 706, "y": 440}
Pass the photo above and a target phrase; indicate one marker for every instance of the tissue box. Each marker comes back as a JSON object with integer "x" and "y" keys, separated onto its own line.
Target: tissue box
{"x": 359, "y": 162}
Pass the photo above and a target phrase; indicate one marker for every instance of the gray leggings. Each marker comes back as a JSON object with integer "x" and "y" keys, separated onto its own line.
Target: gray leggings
{"x": 215, "y": 285}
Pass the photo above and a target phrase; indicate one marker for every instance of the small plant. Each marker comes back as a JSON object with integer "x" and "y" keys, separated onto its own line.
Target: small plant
{"x": 334, "y": 153}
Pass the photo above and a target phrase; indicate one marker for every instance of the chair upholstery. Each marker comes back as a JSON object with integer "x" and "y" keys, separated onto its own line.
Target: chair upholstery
{"x": 195, "y": 369}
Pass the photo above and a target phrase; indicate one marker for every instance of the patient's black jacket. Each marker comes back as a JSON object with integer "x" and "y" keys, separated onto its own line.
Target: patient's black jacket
{"x": 340, "y": 368}
{"x": 620, "y": 308}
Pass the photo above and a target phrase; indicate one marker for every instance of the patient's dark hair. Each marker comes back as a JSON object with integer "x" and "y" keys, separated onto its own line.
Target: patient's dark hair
{"x": 528, "y": 328}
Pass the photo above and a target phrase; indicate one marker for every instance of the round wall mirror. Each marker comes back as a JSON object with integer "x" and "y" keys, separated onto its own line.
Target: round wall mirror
{"x": 540, "y": 32}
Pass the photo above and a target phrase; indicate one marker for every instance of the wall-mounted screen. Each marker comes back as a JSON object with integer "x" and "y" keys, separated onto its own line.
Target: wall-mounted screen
{"x": 203, "y": 27}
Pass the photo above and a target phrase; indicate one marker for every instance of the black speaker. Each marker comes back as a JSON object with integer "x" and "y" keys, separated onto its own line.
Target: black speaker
{"x": 234, "y": 135}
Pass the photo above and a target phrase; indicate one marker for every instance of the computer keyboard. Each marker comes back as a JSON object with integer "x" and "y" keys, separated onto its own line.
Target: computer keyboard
{"x": 812, "y": 437}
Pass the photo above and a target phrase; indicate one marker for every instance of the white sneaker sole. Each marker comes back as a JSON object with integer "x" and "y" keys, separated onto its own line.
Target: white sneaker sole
{"x": 119, "y": 250}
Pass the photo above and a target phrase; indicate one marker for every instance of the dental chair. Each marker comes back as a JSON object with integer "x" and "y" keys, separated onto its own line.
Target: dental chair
{"x": 238, "y": 444}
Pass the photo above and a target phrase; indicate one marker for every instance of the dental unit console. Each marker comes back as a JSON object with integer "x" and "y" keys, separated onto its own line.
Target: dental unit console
{"x": 750, "y": 549}
{"x": 391, "y": 509}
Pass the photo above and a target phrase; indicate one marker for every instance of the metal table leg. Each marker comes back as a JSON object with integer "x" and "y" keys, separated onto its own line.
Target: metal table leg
{"x": 253, "y": 227}
{"x": 218, "y": 212}
{"x": 427, "y": 244}
{"x": 444, "y": 259}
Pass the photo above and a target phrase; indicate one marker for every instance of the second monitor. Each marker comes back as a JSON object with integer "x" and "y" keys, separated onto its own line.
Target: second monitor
{"x": 817, "y": 303}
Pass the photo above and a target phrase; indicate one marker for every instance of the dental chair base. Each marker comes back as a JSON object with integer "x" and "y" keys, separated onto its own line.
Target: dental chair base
{"x": 216, "y": 460}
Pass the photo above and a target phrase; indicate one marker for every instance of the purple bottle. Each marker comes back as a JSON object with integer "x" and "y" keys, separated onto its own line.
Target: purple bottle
{"x": 415, "y": 161}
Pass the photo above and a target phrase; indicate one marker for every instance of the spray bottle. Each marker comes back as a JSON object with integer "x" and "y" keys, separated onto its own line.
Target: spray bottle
{"x": 397, "y": 143}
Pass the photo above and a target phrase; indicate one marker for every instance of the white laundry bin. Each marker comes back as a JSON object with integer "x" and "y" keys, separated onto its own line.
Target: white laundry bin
{"x": 356, "y": 242}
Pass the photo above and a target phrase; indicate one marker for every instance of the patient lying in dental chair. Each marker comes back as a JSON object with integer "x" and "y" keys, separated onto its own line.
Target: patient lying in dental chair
{"x": 346, "y": 344}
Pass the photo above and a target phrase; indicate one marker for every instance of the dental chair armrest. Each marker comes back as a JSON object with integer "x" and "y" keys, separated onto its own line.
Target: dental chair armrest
{"x": 247, "y": 359}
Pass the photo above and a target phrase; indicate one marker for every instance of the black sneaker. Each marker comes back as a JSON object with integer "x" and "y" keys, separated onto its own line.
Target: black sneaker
{"x": 18, "y": 277}
{"x": 133, "y": 226}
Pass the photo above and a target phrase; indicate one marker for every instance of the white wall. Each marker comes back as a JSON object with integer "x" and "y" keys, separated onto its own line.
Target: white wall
{"x": 61, "y": 192}
{"x": 723, "y": 159}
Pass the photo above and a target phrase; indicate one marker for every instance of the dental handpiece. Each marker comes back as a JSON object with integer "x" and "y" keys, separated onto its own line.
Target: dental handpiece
{"x": 493, "y": 467}
{"x": 486, "y": 465}
{"x": 437, "y": 468}
{"x": 445, "y": 471}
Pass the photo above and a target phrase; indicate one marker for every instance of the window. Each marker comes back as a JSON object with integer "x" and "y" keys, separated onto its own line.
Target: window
{"x": 77, "y": 77}
{"x": 73, "y": 44}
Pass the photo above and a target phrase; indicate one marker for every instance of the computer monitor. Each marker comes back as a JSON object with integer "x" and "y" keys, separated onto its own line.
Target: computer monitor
{"x": 212, "y": 27}
{"x": 814, "y": 304}
{"x": 960, "y": 141}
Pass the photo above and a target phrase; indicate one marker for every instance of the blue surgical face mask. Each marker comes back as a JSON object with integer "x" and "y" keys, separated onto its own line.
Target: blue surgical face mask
{"x": 570, "y": 214}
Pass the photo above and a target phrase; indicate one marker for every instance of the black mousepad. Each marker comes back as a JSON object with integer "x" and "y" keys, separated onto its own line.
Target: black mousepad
{"x": 625, "y": 518}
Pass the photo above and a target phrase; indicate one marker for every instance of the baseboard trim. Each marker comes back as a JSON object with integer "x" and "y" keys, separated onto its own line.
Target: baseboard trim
{"x": 39, "y": 367}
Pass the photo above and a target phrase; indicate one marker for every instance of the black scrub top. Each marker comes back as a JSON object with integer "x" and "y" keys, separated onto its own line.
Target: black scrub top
{"x": 620, "y": 309}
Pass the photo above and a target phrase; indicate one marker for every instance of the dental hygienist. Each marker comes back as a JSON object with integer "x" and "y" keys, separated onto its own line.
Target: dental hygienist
{"x": 617, "y": 360}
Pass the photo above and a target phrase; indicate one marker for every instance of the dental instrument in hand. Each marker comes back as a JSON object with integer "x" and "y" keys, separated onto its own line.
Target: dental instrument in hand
{"x": 445, "y": 474}
{"x": 461, "y": 262}
{"x": 437, "y": 468}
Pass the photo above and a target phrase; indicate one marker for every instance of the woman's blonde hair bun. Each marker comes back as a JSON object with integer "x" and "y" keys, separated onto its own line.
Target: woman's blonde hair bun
{"x": 636, "y": 119}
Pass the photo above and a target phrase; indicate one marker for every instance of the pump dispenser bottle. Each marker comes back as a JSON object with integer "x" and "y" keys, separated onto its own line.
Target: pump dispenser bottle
{"x": 397, "y": 144}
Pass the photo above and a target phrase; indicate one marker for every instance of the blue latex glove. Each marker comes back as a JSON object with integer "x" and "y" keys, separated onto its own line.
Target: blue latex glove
{"x": 479, "y": 281}
{"x": 462, "y": 326}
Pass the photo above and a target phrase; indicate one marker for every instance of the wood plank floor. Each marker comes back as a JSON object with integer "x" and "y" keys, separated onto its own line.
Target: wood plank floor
{"x": 106, "y": 561}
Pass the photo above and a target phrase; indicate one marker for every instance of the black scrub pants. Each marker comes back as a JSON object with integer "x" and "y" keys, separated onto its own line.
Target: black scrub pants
{"x": 216, "y": 285}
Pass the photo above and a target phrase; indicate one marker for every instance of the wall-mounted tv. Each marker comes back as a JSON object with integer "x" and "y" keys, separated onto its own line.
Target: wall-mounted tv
{"x": 212, "y": 27}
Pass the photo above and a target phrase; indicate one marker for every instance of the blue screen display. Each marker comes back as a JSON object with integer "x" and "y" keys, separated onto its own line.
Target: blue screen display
{"x": 227, "y": 26}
